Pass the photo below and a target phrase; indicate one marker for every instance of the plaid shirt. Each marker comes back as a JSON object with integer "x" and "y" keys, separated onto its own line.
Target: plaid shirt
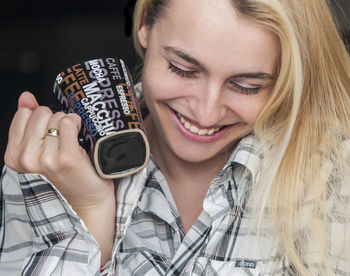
{"x": 42, "y": 235}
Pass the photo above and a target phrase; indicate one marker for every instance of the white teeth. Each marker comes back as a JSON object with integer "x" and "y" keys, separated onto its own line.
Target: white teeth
{"x": 202, "y": 132}
{"x": 210, "y": 131}
{"x": 194, "y": 129}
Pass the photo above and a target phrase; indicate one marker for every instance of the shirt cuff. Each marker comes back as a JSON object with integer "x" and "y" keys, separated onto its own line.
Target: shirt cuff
{"x": 51, "y": 216}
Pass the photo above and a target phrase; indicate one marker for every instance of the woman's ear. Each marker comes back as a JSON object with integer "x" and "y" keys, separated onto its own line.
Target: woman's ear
{"x": 142, "y": 35}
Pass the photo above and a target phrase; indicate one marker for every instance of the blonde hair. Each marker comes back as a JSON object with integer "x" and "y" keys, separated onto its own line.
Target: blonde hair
{"x": 302, "y": 127}
{"x": 146, "y": 12}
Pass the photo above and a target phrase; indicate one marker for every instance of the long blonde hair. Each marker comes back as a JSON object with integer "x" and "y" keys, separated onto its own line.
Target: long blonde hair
{"x": 302, "y": 127}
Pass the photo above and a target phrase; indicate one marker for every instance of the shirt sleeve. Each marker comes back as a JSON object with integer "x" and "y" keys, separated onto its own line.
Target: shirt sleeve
{"x": 40, "y": 234}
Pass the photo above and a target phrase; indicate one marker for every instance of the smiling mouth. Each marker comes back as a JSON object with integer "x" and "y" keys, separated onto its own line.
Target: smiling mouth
{"x": 194, "y": 129}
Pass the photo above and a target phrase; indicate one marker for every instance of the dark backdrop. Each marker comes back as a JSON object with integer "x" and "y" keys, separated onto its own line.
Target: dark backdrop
{"x": 38, "y": 39}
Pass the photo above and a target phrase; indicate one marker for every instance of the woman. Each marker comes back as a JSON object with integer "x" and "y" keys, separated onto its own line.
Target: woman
{"x": 248, "y": 125}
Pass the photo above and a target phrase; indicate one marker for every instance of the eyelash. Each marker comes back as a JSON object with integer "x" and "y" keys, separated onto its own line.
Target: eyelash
{"x": 180, "y": 72}
{"x": 191, "y": 74}
{"x": 245, "y": 90}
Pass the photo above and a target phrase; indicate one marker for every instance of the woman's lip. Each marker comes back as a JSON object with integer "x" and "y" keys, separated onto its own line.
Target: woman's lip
{"x": 195, "y": 137}
{"x": 195, "y": 123}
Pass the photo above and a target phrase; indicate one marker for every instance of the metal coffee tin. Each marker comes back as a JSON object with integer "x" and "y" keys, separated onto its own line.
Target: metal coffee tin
{"x": 101, "y": 92}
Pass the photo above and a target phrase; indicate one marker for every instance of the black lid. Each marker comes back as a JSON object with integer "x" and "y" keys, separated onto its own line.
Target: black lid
{"x": 122, "y": 153}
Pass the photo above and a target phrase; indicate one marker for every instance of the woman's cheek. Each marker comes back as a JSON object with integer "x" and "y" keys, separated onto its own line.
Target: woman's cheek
{"x": 248, "y": 110}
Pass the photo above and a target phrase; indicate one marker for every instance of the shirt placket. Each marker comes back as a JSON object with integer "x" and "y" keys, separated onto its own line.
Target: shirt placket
{"x": 215, "y": 206}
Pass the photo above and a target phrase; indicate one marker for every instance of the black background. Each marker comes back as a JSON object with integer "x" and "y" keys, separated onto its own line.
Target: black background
{"x": 38, "y": 39}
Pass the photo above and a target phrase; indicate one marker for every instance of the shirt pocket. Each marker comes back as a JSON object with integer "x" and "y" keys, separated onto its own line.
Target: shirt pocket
{"x": 240, "y": 267}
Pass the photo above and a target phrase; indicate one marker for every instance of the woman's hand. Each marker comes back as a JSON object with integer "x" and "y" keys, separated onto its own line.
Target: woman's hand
{"x": 65, "y": 163}
{"x": 61, "y": 159}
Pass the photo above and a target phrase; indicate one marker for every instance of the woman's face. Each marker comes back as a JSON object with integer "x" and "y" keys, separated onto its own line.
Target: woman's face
{"x": 207, "y": 74}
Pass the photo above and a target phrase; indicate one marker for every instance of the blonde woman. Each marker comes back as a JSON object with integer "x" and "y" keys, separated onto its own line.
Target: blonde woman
{"x": 248, "y": 124}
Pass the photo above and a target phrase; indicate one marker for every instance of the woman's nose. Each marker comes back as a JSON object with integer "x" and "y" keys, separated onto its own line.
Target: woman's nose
{"x": 210, "y": 108}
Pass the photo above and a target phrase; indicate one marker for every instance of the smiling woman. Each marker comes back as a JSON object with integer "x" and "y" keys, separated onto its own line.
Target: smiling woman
{"x": 248, "y": 124}
{"x": 216, "y": 88}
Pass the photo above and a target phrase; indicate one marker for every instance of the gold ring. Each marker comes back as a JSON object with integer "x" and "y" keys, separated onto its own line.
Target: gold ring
{"x": 53, "y": 132}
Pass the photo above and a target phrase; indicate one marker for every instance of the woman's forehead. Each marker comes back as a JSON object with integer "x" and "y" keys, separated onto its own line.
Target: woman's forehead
{"x": 207, "y": 29}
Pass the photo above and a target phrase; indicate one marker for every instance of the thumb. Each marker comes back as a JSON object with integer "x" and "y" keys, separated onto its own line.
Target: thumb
{"x": 28, "y": 100}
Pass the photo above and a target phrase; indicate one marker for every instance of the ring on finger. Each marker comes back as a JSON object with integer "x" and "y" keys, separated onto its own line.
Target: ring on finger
{"x": 53, "y": 132}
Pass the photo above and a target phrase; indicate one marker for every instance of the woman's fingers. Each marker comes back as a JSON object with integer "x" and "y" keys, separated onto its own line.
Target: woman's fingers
{"x": 15, "y": 137}
{"x": 36, "y": 127}
{"x": 49, "y": 150}
{"x": 69, "y": 130}
{"x": 60, "y": 158}
{"x": 28, "y": 100}
{"x": 62, "y": 151}
{"x": 33, "y": 139}
{"x": 27, "y": 132}
{"x": 18, "y": 125}
{"x": 26, "y": 104}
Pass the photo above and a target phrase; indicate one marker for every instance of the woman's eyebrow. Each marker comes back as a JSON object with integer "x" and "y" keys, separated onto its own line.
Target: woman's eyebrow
{"x": 188, "y": 58}
{"x": 257, "y": 75}
{"x": 183, "y": 55}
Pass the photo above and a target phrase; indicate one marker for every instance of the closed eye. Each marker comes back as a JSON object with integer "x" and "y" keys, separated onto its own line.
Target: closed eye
{"x": 237, "y": 86}
{"x": 173, "y": 67}
{"x": 244, "y": 88}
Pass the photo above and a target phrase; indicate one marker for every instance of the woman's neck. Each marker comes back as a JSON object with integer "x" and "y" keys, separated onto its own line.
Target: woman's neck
{"x": 177, "y": 169}
{"x": 187, "y": 181}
